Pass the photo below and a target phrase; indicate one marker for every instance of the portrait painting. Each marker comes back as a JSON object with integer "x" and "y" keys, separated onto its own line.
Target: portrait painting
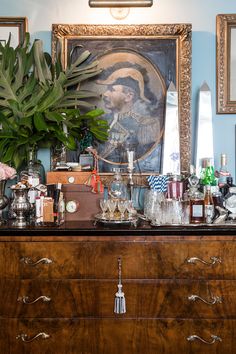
{"x": 136, "y": 71}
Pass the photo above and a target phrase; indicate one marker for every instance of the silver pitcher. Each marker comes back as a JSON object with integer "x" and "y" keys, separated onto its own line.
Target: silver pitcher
{"x": 21, "y": 206}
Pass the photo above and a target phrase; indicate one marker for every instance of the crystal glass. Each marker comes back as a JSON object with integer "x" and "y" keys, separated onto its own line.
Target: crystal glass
{"x": 152, "y": 202}
{"x": 118, "y": 188}
{"x": 112, "y": 207}
{"x": 130, "y": 208}
{"x": 104, "y": 207}
{"x": 122, "y": 205}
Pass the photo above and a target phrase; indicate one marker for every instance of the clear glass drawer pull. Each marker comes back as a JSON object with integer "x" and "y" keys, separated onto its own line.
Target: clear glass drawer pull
{"x": 24, "y": 337}
{"x": 214, "y": 299}
{"x": 29, "y": 261}
{"x": 26, "y": 300}
{"x": 214, "y": 260}
{"x": 213, "y": 337}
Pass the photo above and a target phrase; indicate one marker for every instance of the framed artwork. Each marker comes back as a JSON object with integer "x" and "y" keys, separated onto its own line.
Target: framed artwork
{"x": 17, "y": 26}
{"x": 226, "y": 63}
{"x": 138, "y": 62}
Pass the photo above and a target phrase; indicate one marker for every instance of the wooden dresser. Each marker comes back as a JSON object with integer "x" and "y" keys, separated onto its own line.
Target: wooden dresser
{"x": 58, "y": 286}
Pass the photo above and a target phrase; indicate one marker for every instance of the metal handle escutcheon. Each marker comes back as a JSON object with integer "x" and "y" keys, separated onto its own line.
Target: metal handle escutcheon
{"x": 214, "y": 260}
{"x": 195, "y": 337}
{"x": 214, "y": 299}
{"x": 29, "y": 261}
{"x": 26, "y": 300}
{"x": 24, "y": 337}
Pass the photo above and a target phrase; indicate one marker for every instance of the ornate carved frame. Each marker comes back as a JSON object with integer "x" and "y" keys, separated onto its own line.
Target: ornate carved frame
{"x": 179, "y": 32}
{"x": 224, "y": 24}
{"x": 19, "y": 22}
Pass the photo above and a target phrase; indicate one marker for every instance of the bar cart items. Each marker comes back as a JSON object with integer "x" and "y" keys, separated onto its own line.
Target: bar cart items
{"x": 20, "y": 205}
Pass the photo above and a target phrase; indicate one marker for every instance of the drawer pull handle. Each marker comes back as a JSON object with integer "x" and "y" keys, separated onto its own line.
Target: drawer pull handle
{"x": 29, "y": 261}
{"x": 24, "y": 337}
{"x": 214, "y": 260}
{"x": 25, "y": 299}
{"x": 214, "y": 299}
{"x": 195, "y": 337}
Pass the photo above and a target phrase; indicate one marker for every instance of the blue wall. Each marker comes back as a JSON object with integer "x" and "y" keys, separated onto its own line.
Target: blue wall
{"x": 201, "y": 13}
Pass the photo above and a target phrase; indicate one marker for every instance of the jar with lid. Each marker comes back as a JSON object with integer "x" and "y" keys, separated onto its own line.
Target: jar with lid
{"x": 175, "y": 188}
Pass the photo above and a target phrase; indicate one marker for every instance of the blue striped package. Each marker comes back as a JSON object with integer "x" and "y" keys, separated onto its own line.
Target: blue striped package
{"x": 158, "y": 183}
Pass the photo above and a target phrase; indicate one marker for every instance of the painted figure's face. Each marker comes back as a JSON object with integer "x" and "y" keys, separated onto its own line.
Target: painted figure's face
{"x": 115, "y": 98}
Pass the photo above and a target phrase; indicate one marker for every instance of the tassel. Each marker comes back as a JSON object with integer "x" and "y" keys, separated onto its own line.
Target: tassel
{"x": 91, "y": 181}
{"x": 94, "y": 179}
{"x": 120, "y": 304}
{"x": 98, "y": 187}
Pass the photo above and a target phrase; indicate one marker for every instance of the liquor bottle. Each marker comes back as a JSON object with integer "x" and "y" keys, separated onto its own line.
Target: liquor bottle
{"x": 56, "y": 203}
{"x": 197, "y": 212}
{"x": 223, "y": 172}
{"x": 208, "y": 205}
{"x": 208, "y": 173}
{"x": 225, "y": 188}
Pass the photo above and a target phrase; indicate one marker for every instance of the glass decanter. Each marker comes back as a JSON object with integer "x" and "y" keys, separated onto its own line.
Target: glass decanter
{"x": 118, "y": 188}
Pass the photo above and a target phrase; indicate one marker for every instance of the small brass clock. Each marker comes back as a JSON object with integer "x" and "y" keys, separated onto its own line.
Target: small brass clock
{"x": 72, "y": 206}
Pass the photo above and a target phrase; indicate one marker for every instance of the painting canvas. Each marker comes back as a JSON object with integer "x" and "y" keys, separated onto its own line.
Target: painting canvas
{"x": 136, "y": 72}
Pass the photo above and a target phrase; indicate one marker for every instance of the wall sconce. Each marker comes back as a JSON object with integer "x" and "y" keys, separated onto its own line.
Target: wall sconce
{"x": 119, "y": 9}
{"x": 120, "y": 3}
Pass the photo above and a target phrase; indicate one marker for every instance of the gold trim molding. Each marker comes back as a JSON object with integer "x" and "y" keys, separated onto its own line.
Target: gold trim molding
{"x": 224, "y": 24}
{"x": 182, "y": 33}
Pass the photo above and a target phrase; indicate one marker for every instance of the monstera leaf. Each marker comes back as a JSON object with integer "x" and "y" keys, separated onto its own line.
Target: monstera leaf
{"x": 39, "y": 101}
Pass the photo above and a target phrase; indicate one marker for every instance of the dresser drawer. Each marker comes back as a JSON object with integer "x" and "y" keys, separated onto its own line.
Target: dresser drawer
{"x": 140, "y": 260}
{"x": 95, "y": 298}
{"x": 94, "y": 336}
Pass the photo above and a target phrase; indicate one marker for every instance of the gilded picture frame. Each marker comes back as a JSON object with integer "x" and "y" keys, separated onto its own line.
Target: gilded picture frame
{"x": 17, "y": 26}
{"x": 104, "y": 38}
{"x": 226, "y": 63}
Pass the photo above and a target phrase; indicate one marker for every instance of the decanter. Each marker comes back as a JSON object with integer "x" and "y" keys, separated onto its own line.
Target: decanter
{"x": 118, "y": 188}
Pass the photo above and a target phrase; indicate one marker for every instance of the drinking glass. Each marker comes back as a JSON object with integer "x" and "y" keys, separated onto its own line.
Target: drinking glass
{"x": 104, "y": 207}
{"x": 122, "y": 205}
{"x": 130, "y": 208}
{"x": 111, "y": 203}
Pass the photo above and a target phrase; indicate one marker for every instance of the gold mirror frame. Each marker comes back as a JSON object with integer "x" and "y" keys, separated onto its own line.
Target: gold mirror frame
{"x": 224, "y": 25}
{"x": 181, "y": 33}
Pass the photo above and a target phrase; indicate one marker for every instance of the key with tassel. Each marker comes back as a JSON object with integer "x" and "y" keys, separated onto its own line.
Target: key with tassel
{"x": 120, "y": 305}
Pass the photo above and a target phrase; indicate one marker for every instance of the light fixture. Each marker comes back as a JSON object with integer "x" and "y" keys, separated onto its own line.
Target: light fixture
{"x": 120, "y": 3}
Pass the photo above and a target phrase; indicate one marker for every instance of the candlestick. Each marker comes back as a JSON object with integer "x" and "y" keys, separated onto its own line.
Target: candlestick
{"x": 130, "y": 155}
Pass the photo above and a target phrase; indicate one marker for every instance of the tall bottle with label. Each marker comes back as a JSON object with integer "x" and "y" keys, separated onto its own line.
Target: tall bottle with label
{"x": 223, "y": 172}
{"x": 208, "y": 206}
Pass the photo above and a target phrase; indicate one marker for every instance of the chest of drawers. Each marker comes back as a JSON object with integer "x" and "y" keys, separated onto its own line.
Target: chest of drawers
{"x": 57, "y": 293}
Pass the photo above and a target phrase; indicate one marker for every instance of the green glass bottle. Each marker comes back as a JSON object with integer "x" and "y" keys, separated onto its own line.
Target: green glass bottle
{"x": 208, "y": 173}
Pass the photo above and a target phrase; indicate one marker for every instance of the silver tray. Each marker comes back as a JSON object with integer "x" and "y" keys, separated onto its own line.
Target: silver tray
{"x": 131, "y": 221}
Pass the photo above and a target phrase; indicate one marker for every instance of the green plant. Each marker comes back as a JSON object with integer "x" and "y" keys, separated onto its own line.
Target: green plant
{"x": 40, "y": 103}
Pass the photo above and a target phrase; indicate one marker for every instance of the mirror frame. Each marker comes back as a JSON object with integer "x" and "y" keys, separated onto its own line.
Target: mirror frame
{"x": 225, "y": 23}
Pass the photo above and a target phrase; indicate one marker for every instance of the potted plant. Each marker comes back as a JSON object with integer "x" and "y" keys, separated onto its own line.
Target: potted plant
{"x": 40, "y": 103}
